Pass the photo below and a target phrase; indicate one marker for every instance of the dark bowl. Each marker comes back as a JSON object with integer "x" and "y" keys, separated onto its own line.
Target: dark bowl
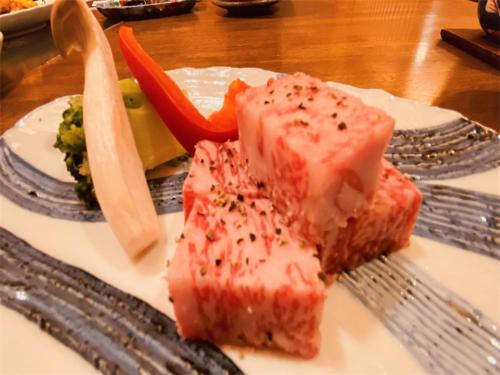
{"x": 245, "y": 5}
{"x": 143, "y": 11}
{"x": 489, "y": 16}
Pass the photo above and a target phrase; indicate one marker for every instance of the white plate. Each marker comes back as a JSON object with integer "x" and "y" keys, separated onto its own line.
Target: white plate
{"x": 26, "y": 20}
{"x": 354, "y": 340}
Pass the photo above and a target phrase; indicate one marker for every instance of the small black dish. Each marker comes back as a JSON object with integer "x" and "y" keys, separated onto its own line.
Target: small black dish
{"x": 245, "y": 7}
{"x": 113, "y": 10}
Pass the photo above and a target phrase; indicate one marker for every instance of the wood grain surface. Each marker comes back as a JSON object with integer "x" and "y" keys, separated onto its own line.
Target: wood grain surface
{"x": 393, "y": 45}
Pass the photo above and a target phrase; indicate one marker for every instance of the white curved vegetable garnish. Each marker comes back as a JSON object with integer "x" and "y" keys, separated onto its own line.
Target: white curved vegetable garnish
{"x": 115, "y": 165}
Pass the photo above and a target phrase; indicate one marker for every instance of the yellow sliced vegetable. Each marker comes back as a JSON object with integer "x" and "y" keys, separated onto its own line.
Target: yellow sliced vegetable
{"x": 154, "y": 141}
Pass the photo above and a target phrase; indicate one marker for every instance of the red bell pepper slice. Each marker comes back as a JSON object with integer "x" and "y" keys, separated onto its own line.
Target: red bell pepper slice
{"x": 185, "y": 122}
{"x": 226, "y": 116}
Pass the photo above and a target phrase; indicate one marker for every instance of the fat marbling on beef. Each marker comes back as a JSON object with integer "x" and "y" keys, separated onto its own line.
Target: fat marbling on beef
{"x": 239, "y": 277}
{"x": 317, "y": 150}
{"x": 384, "y": 226}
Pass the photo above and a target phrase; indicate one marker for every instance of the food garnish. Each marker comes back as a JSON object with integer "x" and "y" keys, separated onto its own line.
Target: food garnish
{"x": 155, "y": 143}
{"x": 117, "y": 173}
{"x": 226, "y": 116}
{"x": 71, "y": 141}
{"x": 185, "y": 122}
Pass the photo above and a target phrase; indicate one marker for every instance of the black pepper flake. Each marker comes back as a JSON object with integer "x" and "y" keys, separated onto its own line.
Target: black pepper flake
{"x": 203, "y": 271}
{"x": 202, "y": 161}
{"x": 316, "y": 255}
{"x": 171, "y": 299}
{"x": 288, "y": 94}
{"x": 212, "y": 188}
{"x": 322, "y": 276}
{"x": 334, "y": 114}
{"x": 210, "y": 236}
{"x": 222, "y": 221}
{"x": 218, "y": 262}
{"x": 297, "y": 87}
{"x": 303, "y": 122}
{"x": 240, "y": 197}
{"x": 212, "y": 162}
{"x": 246, "y": 261}
{"x": 182, "y": 236}
{"x": 271, "y": 92}
{"x": 232, "y": 206}
{"x": 310, "y": 98}
{"x": 252, "y": 205}
{"x": 262, "y": 213}
{"x": 252, "y": 237}
{"x": 212, "y": 168}
{"x": 229, "y": 153}
{"x": 239, "y": 240}
{"x": 260, "y": 185}
{"x": 266, "y": 102}
{"x": 302, "y": 106}
{"x": 269, "y": 335}
{"x": 277, "y": 231}
{"x": 33, "y": 193}
{"x": 342, "y": 126}
{"x": 262, "y": 260}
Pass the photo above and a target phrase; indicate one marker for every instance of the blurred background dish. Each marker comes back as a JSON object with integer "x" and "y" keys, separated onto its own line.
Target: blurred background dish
{"x": 142, "y": 9}
{"x": 245, "y": 5}
{"x": 25, "y": 20}
{"x": 489, "y": 17}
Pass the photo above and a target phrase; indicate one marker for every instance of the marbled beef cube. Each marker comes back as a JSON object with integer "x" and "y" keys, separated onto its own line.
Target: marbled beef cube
{"x": 385, "y": 226}
{"x": 239, "y": 277}
{"x": 317, "y": 150}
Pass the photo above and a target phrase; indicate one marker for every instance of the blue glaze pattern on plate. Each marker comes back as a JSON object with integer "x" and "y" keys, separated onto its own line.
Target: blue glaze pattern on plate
{"x": 446, "y": 334}
{"x": 38, "y": 192}
{"x": 114, "y": 331}
{"x": 463, "y": 218}
{"x": 451, "y": 150}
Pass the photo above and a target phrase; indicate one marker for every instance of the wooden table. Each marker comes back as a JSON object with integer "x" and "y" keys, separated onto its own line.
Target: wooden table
{"x": 389, "y": 44}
